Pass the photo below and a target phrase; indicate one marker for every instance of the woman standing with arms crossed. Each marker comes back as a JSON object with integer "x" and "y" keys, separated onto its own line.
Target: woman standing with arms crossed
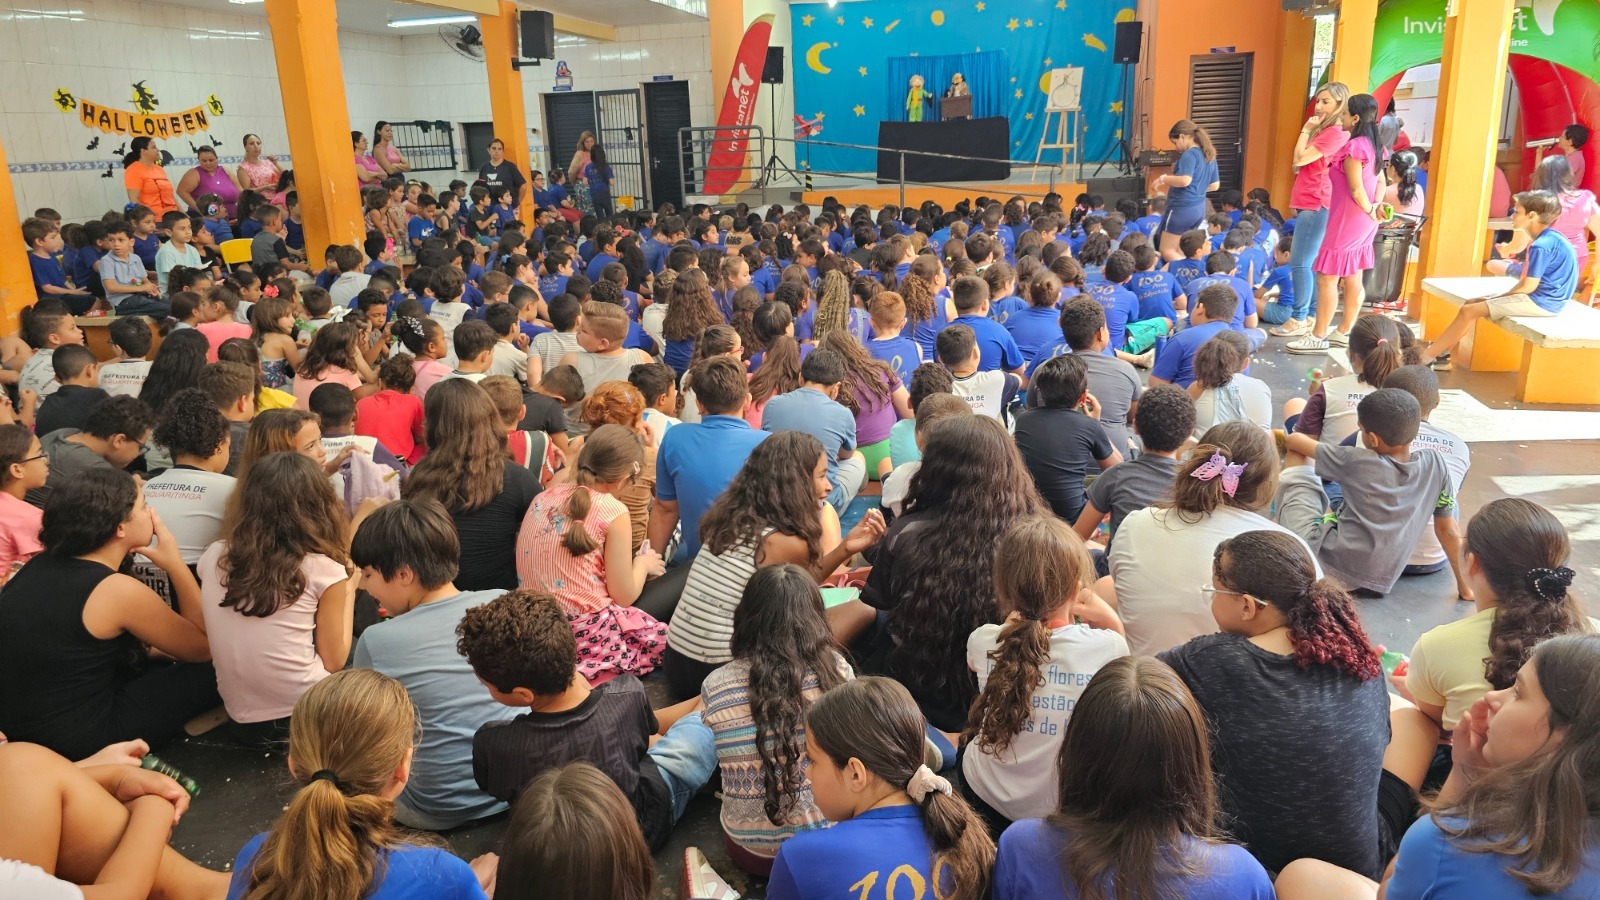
{"x": 576, "y": 185}
{"x": 1193, "y": 176}
{"x": 259, "y": 173}
{"x": 389, "y": 157}
{"x": 1354, "y": 210}
{"x": 1321, "y": 138}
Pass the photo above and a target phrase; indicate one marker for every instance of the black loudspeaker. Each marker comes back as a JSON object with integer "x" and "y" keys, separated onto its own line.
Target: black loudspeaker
{"x": 538, "y": 35}
{"x": 772, "y": 72}
{"x": 1126, "y": 47}
{"x": 1128, "y": 187}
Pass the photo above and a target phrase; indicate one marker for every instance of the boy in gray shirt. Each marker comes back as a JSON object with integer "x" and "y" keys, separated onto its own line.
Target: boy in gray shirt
{"x": 1390, "y": 493}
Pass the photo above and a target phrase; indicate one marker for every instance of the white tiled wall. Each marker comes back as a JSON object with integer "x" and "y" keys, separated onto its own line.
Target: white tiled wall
{"x": 96, "y": 49}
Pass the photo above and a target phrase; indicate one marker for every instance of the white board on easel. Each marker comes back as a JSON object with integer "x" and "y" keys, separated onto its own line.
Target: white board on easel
{"x": 1062, "y": 101}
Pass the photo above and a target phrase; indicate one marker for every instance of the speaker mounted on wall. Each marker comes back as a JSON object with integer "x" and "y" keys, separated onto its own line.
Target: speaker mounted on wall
{"x": 537, "y": 33}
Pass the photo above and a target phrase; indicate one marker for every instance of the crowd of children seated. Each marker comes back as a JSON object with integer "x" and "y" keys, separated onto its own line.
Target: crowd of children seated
{"x": 423, "y": 520}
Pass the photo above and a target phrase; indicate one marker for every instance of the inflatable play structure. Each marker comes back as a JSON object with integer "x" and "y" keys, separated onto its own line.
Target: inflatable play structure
{"x": 1554, "y": 62}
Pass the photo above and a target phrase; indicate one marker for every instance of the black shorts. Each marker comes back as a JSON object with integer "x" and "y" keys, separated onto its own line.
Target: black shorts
{"x": 1397, "y": 809}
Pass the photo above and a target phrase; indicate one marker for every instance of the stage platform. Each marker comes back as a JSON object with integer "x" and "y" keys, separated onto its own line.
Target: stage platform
{"x": 1026, "y": 181}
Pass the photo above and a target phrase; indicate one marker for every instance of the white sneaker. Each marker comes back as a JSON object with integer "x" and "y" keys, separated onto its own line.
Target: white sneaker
{"x": 1308, "y": 344}
{"x": 1337, "y": 338}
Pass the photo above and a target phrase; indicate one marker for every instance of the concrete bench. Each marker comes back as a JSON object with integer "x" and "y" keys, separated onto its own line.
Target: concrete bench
{"x": 1556, "y": 358}
{"x": 97, "y": 335}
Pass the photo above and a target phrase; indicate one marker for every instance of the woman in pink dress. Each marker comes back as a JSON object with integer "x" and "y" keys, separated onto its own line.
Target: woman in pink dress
{"x": 1579, "y": 221}
{"x": 259, "y": 173}
{"x": 208, "y": 178}
{"x": 385, "y": 153}
{"x": 368, "y": 172}
{"x": 576, "y": 543}
{"x": 1353, "y": 214}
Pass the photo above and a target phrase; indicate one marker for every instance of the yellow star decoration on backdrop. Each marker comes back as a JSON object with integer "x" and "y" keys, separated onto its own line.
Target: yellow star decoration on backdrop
{"x": 1116, "y": 106}
{"x": 1019, "y": 93}
{"x": 890, "y": 27}
{"x": 860, "y": 110}
{"x": 839, "y": 20}
{"x": 981, "y": 6}
{"x": 867, "y": 22}
{"x": 1028, "y": 23}
{"x": 1061, "y": 4}
{"x": 1027, "y": 115}
{"x": 1012, "y": 25}
{"x": 1047, "y": 62}
{"x": 807, "y": 20}
{"x": 820, "y": 116}
{"x": 863, "y": 71}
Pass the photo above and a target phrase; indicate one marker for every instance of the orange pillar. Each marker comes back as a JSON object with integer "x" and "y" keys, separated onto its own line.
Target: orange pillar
{"x": 16, "y": 278}
{"x": 1295, "y": 34}
{"x": 505, "y": 93}
{"x": 1472, "y": 80}
{"x": 727, "y": 30}
{"x": 1352, "y": 44}
{"x": 306, "y": 43}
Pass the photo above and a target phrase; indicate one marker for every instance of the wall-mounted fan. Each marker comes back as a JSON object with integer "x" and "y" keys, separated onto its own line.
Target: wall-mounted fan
{"x": 464, "y": 39}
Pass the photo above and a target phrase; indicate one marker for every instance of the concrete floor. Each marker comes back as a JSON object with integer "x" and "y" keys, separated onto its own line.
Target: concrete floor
{"x": 1546, "y": 454}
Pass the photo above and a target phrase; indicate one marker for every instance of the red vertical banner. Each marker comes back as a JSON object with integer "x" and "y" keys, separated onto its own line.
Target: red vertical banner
{"x": 725, "y": 163}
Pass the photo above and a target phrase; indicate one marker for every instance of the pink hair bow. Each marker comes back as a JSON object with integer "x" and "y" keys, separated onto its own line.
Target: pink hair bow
{"x": 1219, "y": 465}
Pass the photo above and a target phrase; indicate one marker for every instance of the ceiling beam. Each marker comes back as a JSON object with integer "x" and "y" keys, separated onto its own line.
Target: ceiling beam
{"x": 563, "y": 24}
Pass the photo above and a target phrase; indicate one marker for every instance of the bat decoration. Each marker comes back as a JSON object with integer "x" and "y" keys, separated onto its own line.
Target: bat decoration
{"x": 108, "y": 172}
{"x": 94, "y": 143}
{"x": 166, "y": 158}
{"x": 122, "y": 149}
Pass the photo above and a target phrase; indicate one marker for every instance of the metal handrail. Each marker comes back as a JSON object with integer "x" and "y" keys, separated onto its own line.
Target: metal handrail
{"x": 691, "y": 139}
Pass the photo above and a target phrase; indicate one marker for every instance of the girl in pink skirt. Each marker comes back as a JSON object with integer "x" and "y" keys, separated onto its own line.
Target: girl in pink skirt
{"x": 577, "y": 543}
{"x": 1353, "y": 216}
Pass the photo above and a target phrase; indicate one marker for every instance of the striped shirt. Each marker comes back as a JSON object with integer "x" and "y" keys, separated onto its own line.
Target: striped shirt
{"x": 726, "y": 693}
{"x": 578, "y": 582}
{"x": 702, "y": 625}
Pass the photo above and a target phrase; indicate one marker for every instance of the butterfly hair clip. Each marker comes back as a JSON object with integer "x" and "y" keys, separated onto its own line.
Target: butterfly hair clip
{"x": 1219, "y": 465}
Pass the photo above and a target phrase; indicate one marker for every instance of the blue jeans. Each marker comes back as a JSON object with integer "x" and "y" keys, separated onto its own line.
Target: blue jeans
{"x": 686, "y": 756}
{"x": 1310, "y": 227}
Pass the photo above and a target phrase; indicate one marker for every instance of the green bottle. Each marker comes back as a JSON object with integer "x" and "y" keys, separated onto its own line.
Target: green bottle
{"x": 157, "y": 764}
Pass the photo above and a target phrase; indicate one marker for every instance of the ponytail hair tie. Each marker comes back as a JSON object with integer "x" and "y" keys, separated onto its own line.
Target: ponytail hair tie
{"x": 1383, "y": 340}
{"x": 1550, "y": 584}
{"x": 328, "y": 776}
{"x": 923, "y": 782}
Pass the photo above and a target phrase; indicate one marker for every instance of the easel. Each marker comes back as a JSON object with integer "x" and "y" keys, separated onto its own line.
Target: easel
{"x": 1066, "y": 88}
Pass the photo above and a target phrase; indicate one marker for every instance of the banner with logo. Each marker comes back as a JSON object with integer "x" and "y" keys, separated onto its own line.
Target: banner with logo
{"x": 727, "y": 158}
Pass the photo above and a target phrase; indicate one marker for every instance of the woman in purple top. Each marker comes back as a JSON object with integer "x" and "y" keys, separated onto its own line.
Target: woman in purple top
{"x": 385, "y": 153}
{"x": 876, "y": 398}
{"x": 208, "y": 178}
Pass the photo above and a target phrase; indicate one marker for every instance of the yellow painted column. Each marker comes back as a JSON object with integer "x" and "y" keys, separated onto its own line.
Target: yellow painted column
{"x": 1472, "y": 80}
{"x": 1352, "y": 44}
{"x": 727, "y": 30}
{"x": 16, "y": 278}
{"x": 306, "y": 43}
{"x": 1295, "y": 35}
{"x": 505, "y": 93}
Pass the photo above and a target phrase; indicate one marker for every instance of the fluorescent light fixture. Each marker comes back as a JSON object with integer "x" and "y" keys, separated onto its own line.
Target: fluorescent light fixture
{"x": 246, "y": 2}
{"x": 425, "y": 21}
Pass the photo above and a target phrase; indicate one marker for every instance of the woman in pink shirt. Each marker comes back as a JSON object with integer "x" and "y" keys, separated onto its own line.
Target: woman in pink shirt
{"x": 368, "y": 172}
{"x": 385, "y": 153}
{"x": 576, "y": 542}
{"x": 278, "y": 593}
{"x": 1321, "y": 138}
{"x": 334, "y": 356}
{"x": 259, "y": 173}
{"x": 23, "y": 467}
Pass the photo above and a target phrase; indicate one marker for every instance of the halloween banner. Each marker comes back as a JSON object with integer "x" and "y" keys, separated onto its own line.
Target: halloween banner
{"x": 143, "y": 120}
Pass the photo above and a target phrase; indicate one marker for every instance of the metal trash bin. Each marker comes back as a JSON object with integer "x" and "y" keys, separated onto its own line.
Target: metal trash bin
{"x": 1391, "y": 249}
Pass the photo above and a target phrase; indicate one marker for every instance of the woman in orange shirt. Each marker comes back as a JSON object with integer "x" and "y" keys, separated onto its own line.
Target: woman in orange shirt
{"x": 145, "y": 180}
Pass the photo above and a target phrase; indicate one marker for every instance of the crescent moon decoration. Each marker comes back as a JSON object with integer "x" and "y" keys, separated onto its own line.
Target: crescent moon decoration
{"x": 814, "y": 58}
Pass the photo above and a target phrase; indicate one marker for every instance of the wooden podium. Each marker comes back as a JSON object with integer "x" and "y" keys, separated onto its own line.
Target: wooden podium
{"x": 956, "y": 107}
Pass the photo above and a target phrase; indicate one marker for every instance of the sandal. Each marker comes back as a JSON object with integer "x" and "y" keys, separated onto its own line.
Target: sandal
{"x": 1288, "y": 329}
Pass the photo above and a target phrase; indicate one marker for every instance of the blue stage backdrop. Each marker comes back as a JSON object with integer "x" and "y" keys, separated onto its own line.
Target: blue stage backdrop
{"x": 853, "y": 64}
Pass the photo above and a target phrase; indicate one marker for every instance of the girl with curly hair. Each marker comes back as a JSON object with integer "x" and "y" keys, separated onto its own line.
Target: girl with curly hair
{"x": 934, "y": 572}
{"x": 928, "y": 305}
{"x": 784, "y": 658}
{"x": 278, "y": 593}
{"x": 690, "y": 311}
{"x": 836, "y": 312}
{"x": 873, "y": 394}
{"x": 1299, "y": 713}
{"x": 772, "y": 512}
{"x": 1053, "y": 622}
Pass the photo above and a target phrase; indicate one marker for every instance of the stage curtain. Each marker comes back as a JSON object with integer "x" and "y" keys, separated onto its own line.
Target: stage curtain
{"x": 988, "y": 76}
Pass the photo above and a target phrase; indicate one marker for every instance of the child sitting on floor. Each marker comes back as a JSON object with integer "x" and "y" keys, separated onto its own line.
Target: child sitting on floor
{"x": 989, "y": 393}
{"x": 1163, "y": 421}
{"x": 1221, "y": 390}
{"x": 577, "y": 542}
{"x": 522, "y": 649}
{"x": 1378, "y": 346}
{"x": 935, "y": 408}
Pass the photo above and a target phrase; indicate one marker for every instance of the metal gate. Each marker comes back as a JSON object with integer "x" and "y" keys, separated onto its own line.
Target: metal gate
{"x": 618, "y": 129}
{"x": 430, "y": 146}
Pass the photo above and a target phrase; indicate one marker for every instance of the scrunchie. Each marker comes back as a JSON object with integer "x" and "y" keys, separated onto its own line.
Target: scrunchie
{"x": 329, "y": 776}
{"x": 923, "y": 781}
{"x": 1550, "y": 584}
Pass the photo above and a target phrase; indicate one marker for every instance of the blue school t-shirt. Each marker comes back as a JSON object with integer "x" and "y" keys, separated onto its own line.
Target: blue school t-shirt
{"x": 1246, "y": 295}
{"x": 1552, "y": 260}
{"x": 760, "y": 356}
{"x": 600, "y": 261}
{"x": 407, "y": 873}
{"x": 372, "y": 268}
{"x": 1033, "y": 328}
{"x": 1192, "y": 163}
{"x": 294, "y": 234}
{"x": 419, "y": 230}
{"x": 879, "y": 853}
{"x": 900, "y": 352}
{"x": 1175, "y": 361}
{"x": 1158, "y": 293}
{"x": 146, "y": 248}
{"x": 1430, "y": 865}
{"x": 249, "y": 228}
{"x": 504, "y": 214}
{"x": 550, "y": 197}
{"x": 1147, "y": 226}
{"x": 552, "y": 286}
{"x": 996, "y": 348}
{"x": 637, "y": 339}
{"x": 1049, "y": 351}
{"x": 1280, "y": 278}
{"x": 1253, "y": 265}
{"x": 677, "y": 355}
{"x": 83, "y": 271}
{"x": 219, "y": 228}
{"x": 926, "y": 332}
{"x": 1028, "y": 866}
{"x": 694, "y": 464}
{"x": 655, "y": 257}
{"x": 1002, "y": 310}
{"x": 1186, "y": 270}
{"x": 1216, "y": 240}
{"x": 1121, "y": 306}
{"x": 46, "y": 270}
